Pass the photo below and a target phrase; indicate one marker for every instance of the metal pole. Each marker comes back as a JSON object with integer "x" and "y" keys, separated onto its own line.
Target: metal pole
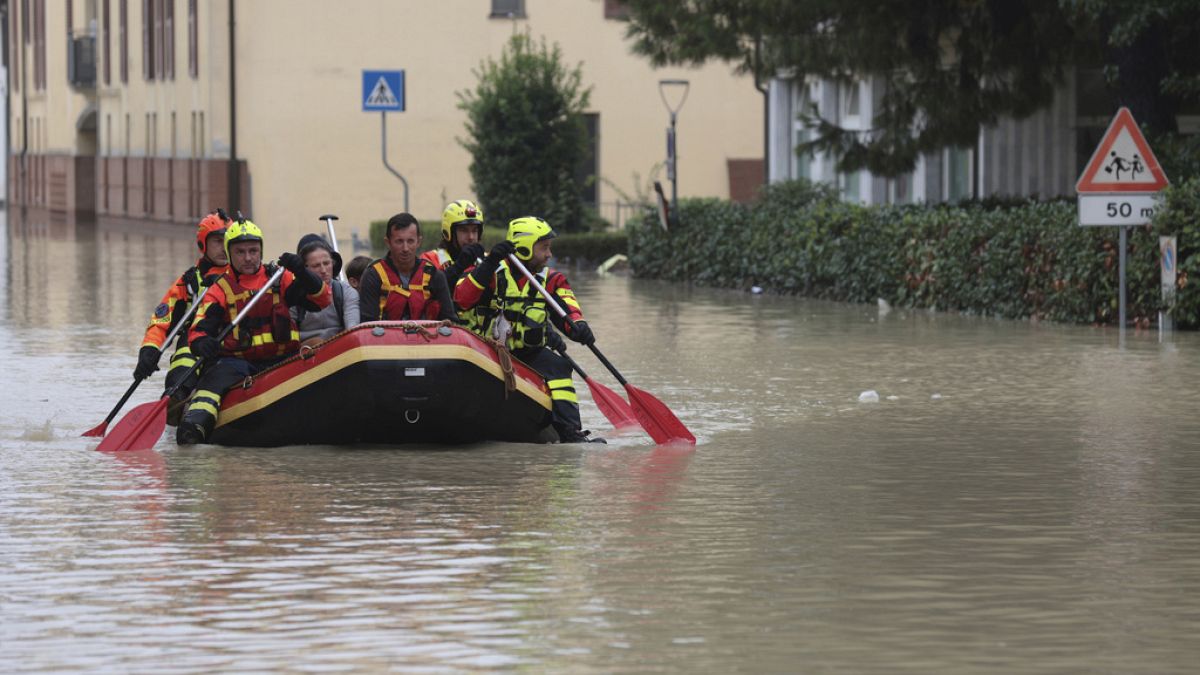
{"x": 383, "y": 148}
{"x": 235, "y": 175}
{"x": 1121, "y": 273}
{"x": 674, "y": 167}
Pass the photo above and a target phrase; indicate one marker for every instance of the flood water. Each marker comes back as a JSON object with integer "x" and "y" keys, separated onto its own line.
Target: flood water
{"x": 1022, "y": 498}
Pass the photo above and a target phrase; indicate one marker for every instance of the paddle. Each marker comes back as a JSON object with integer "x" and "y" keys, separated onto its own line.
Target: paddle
{"x": 613, "y": 406}
{"x": 329, "y": 218}
{"x": 141, "y": 428}
{"x": 655, "y": 417}
{"x": 103, "y": 426}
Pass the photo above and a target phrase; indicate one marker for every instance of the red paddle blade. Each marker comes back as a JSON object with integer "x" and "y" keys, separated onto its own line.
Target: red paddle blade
{"x": 96, "y": 431}
{"x": 657, "y": 419}
{"x": 140, "y": 429}
{"x": 613, "y": 406}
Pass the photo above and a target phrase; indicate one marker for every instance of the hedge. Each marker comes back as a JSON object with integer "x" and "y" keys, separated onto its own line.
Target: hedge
{"x": 1012, "y": 259}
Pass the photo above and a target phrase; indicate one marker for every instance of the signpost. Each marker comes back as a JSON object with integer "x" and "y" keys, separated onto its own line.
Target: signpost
{"x": 383, "y": 91}
{"x": 1168, "y": 250}
{"x": 1120, "y": 185}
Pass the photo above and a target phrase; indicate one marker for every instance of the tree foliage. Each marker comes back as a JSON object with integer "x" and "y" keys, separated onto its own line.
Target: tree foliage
{"x": 945, "y": 68}
{"x": 526, "y": 134}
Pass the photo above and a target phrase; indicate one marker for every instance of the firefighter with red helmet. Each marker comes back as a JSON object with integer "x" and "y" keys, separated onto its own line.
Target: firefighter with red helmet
{"x": 266, "y": 335}
{"x": 213, "y": 262}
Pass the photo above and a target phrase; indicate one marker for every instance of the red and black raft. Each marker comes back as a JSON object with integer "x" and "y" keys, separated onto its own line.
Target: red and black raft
{"x": 389, "y": 382}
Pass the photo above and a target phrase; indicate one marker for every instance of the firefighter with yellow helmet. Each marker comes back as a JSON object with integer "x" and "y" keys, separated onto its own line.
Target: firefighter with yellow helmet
{"x": 265, "y": 336}
{"x": 525, "y": 322}
{"x": 462, "y": 228}
{"x": 213, "y": 262}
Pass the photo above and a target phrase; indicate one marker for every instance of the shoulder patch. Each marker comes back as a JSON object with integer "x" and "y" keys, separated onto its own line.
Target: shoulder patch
{"x": 161, "y": 311}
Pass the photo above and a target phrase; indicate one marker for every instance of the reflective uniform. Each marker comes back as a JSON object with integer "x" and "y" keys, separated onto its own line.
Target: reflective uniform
{"x": 478, "y": 318}
{"x": 169, "y": 312}
{"x": 527, "y": 319}
{"x": 266, "y": 335}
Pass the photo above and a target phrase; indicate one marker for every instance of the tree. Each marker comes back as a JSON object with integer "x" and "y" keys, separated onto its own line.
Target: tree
{"x": 947, "y": 67}
{"x": 527, "y": 134}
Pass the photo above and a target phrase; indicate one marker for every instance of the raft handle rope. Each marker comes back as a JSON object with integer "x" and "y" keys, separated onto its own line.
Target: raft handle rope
{"x": 412, "y": 418}
{"x": 504, "y": 357}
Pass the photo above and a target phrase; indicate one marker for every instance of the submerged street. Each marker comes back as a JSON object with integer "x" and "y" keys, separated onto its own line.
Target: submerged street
{"x": 1021, "y": 496}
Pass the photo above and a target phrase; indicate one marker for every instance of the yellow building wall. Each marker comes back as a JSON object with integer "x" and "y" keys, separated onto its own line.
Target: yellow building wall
{"x": 312, "y": 150}
{"x": 309, "y": 147}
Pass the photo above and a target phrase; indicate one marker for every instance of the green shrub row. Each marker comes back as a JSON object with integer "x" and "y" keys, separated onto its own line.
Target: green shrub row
{"x": 1014, "y": 259}
{"x": 595, "y": 247}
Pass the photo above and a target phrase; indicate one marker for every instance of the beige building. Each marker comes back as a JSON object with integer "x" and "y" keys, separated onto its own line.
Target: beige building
{"x": 143, "y": 110}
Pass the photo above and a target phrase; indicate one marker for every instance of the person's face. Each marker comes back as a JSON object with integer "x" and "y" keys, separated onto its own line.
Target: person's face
{"x": 466, "y": 233}
{"x": 214, "y": 249}
{"x": 320, "y": 262}
{"x": 541, "y": 256}
{"x": 403, "y": 245}
{"x": 245, "y": 256}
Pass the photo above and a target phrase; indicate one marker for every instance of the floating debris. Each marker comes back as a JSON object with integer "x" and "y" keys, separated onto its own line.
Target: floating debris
{"x": 869, "y": 396}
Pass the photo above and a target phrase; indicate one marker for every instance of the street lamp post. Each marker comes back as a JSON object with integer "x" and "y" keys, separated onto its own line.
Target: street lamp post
{"x": 680, "y": 86}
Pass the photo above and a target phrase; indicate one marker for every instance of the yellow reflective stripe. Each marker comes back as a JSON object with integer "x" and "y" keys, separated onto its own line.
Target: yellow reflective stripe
{"x": 314, "y": 296}
{"x": 471, "y": 278}
{"x": 563, "y": 395}
{"x": 185, "y": 361}
{"x": 559, "y": 384}
{"x": 571, "y": 301}
{"x": 203, "y": 406}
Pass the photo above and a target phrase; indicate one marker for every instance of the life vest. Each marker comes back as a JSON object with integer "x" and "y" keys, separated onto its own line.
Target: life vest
{"x": 439, "y": 256}
{"x": 396, "y": 302}
{"x": 524, "y": 309}
{"x": 267, "y": 332}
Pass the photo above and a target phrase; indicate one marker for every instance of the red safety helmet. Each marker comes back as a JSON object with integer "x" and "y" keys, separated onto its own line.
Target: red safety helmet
{"x": 213, "y": 223}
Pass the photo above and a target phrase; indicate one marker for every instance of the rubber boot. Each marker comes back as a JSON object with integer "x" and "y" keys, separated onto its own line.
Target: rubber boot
{"x": 573, "y": 435}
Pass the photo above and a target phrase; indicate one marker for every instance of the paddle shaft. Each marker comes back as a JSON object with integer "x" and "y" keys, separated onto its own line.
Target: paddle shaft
{"x": 138, "y": 380}
{"x": 333, "y": 241}
{"x": 562, "y": 313}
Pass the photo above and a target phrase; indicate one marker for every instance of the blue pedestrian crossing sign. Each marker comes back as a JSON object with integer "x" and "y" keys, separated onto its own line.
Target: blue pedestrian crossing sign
{"x": 383, "y": 90}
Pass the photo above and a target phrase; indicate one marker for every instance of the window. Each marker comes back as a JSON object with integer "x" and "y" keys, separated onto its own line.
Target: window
{"x": 107, "y": 44}
{"x": 148, "y": 46}
{"x": 589, "y": 168}
{"x": 958, "y": 174}
{"x": 39, "y": 44}
{"x": 193, "y": 41}
{"x": 169, "y": 40}
{"x": 508, "y": 9}
{"x": 801, "y": 106}
{"x": 123, "y": 35}
{"x": 615, "y": 9}
{"x": 850, "y": 101}
{"x": 15, "y": 43}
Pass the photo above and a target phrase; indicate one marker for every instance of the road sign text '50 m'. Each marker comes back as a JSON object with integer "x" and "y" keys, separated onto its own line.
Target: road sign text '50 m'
{"x": 1111, "y": 209}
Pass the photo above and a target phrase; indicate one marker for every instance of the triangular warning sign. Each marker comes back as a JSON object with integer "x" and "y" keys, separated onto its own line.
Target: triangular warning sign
{"x": 382, "y": 95}
{"x": 1123, "y": 162}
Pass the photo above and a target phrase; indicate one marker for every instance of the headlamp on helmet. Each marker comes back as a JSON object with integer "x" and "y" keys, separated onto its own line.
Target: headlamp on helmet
{"x": 460, "y": 212}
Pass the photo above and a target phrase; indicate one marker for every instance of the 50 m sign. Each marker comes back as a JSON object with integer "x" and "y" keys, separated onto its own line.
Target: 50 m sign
{"x": 1117, "y": 209}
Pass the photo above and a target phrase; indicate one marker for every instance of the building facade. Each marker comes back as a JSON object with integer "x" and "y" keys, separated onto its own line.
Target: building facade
{"x": 165, "y": 109}
{"x": 1038, "y": 156}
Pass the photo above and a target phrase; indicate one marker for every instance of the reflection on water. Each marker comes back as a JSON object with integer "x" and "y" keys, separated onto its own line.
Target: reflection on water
{"x": 1022, "y": 497}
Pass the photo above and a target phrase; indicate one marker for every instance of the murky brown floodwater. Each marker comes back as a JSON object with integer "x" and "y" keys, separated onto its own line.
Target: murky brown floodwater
{"x": 1023, "y": 498}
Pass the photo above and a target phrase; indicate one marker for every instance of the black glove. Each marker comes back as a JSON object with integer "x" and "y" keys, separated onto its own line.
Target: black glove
{"x": 581, "y": 333}
{"x": 469, "y": 254}
{"x": 211, "y": 279}
{"x": 555, "y": 342}
{"x": 500, "y": 252}
{"x": 147, "y": 362}
{"x": 205, "y": 347}
{"x": 291, "y": 262}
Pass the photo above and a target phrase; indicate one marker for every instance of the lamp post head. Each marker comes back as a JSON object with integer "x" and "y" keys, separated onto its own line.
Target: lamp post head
{"x": 674, "y": 85}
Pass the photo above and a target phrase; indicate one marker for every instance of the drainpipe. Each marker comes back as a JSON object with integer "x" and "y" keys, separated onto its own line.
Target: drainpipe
{"x": 766, "y": 94}
{"x": 235, "y": 182}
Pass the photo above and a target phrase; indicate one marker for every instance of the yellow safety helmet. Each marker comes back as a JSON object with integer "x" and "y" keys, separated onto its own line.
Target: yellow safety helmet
{"x": 241, "y": 230}
{"x": 526, "y": 231}
{"x": 459, "y": 212}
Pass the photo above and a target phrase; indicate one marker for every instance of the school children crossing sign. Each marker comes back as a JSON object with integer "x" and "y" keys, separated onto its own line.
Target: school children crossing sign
{"x": 383, "y": 90}
{"x": 1121, "y": 181}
